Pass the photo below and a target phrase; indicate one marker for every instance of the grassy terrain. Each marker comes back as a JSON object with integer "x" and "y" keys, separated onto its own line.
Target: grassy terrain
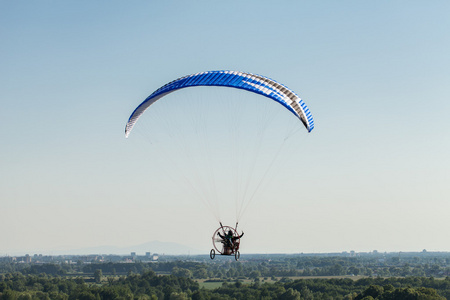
{"x": 216, "y": 283}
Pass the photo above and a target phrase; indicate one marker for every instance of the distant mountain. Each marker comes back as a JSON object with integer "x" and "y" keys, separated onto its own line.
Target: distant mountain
{"x": 158, "y": 247}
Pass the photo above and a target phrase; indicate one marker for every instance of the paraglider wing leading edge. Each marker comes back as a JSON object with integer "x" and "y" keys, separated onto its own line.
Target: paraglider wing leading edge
{"x": 246, "y": 81}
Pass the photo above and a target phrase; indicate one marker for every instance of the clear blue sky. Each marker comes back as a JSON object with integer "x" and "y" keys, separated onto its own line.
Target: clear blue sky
{"x": 375, "y": 75}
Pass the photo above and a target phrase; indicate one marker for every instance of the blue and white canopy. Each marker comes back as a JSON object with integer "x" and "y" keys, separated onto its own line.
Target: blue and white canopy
{"x": 240, "y": 80}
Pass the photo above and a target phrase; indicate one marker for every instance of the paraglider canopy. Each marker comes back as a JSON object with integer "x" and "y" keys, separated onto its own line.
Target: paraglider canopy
{"x": 246, "y": 81}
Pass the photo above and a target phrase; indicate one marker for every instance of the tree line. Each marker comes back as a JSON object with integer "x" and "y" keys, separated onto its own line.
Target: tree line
{"x": 281, "y": 267}
{"x": 150, "y": 286}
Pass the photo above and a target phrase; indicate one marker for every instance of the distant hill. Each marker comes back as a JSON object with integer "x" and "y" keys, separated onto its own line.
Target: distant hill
{"x": 158, "y": 247}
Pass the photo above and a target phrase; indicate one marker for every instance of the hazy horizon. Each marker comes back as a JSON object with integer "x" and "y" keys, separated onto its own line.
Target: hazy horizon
{"x": 173, "y": 248}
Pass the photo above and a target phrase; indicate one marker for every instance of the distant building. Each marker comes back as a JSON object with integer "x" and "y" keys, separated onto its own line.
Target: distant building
{"x": 133, "y": 254}
{"x": 147, "y": 254}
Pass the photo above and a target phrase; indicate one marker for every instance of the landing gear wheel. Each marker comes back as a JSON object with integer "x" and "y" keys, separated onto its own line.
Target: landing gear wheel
{"x": 212, "y": 254}
{"x": 237, "y": 255}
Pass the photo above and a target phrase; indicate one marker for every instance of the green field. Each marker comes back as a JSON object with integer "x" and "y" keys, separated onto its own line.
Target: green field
{"x": 216, "y": 283}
